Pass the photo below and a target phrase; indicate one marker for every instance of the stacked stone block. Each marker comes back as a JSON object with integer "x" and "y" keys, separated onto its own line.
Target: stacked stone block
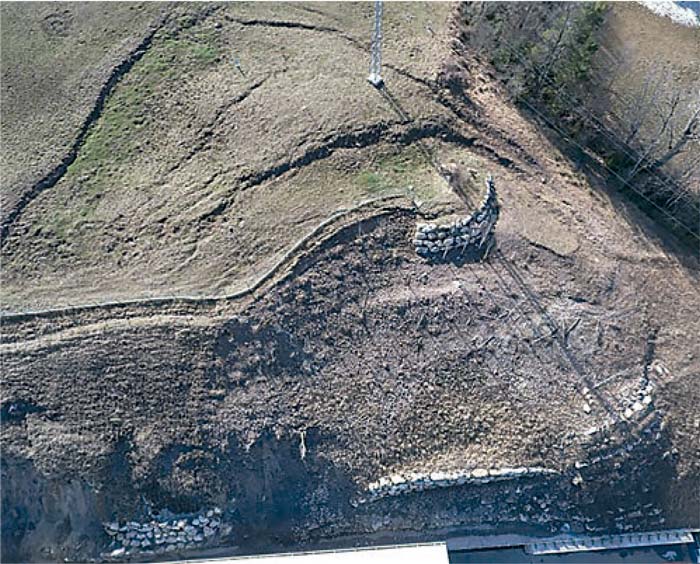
{"x": 471, "y": 233}
{"x": 161, "y": 536}
{"x": 399, "y": 484}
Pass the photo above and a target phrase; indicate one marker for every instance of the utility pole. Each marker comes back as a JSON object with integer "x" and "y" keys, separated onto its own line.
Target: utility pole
{"x": 375, "y": 67}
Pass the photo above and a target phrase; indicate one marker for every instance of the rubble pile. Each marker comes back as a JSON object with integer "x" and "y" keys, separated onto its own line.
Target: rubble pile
{"x": 161, "y": 536}
{"x": 470, "y": 233}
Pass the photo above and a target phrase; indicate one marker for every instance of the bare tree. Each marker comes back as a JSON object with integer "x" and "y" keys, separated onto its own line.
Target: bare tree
{"x": 690, "y": 132}
{"x": 666, "y": 116}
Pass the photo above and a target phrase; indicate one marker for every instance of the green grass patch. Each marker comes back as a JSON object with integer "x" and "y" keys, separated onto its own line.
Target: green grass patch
{"x": 60, "y": 226}
{"x": 374, "y": 182}
{"x": 116, "y": 139}
{"x": 409, "y": 170}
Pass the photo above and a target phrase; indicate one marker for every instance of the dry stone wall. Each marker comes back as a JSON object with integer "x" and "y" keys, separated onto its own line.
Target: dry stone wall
{"x": 399, "y": 484}
{"x": 633, "y": 406}
{"x": 471, "y": 233}
{"x": 159, "y": 536}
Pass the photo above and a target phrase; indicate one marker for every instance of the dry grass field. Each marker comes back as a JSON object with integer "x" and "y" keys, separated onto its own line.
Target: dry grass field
{"x": 195, "y": 176}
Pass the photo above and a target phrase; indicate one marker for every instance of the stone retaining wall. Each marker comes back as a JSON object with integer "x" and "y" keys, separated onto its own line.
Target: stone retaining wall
{"x": 416, "y": 482}
{"x": 468, "y": 234}
{"x": 631, "y": 408}
{"x": 159, "y": 536}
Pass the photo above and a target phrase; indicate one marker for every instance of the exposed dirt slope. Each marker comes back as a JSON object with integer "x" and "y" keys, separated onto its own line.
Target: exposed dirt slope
{"x": 571, "y": 348}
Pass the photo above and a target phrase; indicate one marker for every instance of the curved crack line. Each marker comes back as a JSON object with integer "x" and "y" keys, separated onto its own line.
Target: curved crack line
{"x": 52, "y": 178}
{"x": 477, "y": 122}
{"x": 332, "y": 30}
{"x": 431, "y": 85}
{"x": 357, "y": 139}
{"x": 207, "y": 131}
{"x": 360, "y": 139}
{"x": 118, "y": 72}
{"x": 259, "y": 22}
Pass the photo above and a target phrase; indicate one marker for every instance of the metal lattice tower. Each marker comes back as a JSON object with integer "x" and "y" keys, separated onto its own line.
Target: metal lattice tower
{"x": 375, "y": 67}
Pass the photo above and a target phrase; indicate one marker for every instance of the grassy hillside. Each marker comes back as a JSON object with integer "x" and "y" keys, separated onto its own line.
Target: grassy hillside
{"x": 55, "y": 59}
{"x": 180, "y": 185}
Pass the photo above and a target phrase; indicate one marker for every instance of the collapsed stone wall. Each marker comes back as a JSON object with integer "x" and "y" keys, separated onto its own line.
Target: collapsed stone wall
{"x": 467, "y": 234}
{"x": 633, "y": 407}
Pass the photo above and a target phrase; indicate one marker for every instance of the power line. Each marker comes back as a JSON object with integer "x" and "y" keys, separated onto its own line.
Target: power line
{"x": 571, "y": 139}
{"x": 624, "y": 182}
{"x": 376, "y": 80}
{"x": 586, "y": 114}
{"x": 590, "y": 117}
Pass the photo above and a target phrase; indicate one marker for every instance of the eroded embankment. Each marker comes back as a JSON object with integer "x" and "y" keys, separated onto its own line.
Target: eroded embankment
{"x": 21, "y": 327}
{"x": 286, "y": 411}
{"x": 360, "y": 390}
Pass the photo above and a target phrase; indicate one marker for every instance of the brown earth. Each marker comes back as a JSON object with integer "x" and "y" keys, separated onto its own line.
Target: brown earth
{"x": 382, "y": 362}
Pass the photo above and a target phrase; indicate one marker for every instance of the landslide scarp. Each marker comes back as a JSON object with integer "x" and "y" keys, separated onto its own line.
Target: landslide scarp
{"x": 377, "y": 363}
{"x": 555, "y": 379}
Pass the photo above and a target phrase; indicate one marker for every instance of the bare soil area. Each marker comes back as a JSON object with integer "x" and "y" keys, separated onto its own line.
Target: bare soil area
{"x": 571, "y": 348}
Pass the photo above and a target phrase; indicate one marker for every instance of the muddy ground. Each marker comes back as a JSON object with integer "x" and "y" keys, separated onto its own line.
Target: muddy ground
{"x": 571, "y": 347}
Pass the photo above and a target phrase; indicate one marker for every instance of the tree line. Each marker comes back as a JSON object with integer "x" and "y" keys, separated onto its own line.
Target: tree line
{"x": 642, "y": 133}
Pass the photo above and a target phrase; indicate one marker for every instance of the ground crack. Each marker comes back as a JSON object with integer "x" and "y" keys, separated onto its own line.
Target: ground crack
{"x": 281, "y": 23}
{"x": 361, "y": 139}
{"x": 366, "y": 137}
{"x": 118, "y": 72}
{"x": 362, "y": 46}
{"x": 52, "y": 178}
{"x": 207, "y": 132}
